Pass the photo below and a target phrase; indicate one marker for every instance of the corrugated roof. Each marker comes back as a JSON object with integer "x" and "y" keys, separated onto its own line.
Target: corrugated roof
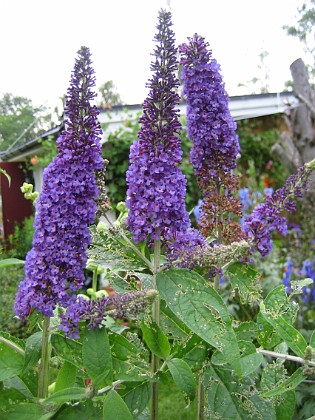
{"x": 241, "y": 107}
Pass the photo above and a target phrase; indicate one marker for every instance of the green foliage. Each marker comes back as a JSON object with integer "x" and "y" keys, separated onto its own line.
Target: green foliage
{"x": 256, "y": 138}
{"x": 115, "y": 407}
{"x": 66, "y": 377}
{"x": 303, "y": 29}
{"x": 20, "y": 120}
{"x": 10, "y": 277}
{"x": 20, "y": 241}
{"x": 11, "y": 362}
{"x": 97, "y": 356}
{"x": 202, "y": 310}
{"x": 109, "y": 95}
{"x": 116, "y": 150}
{"x": 183, "y": 377}
{"x": 229, "y": 397}
{"x": 46, "y": 155}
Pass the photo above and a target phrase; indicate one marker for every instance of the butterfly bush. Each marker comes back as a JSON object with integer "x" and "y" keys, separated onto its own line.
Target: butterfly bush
{"x": 54, "y": 267}
{"x": 267, "y": 217}
{"x": 156, "y": 186}
{"x": 211, "y": 128}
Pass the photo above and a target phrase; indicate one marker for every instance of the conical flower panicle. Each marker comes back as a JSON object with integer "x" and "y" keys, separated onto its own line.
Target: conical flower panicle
{"x": 65, "y": 207}
{"x": 267, "y": 217}
{"x": 156, "y": 185}
{"x": 215, "y": 143}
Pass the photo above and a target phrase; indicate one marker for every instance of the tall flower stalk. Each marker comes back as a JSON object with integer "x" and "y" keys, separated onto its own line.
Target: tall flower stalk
{"x": 215, "y": 143}
{"x": 54, "y": 267}
{"x": 156, "y": 186}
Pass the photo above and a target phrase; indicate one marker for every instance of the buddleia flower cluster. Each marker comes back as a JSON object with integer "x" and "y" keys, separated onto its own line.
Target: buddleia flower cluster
{"x": 211, "y": 128}
{"x": 156, "y": 185}
{"x": 268, "y": 216}
{"x": 54, "y": 267}
{"x": 94, "y": 312}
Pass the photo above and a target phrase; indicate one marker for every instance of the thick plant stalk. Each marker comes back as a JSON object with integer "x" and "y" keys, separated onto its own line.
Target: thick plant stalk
{"x": 155, "y": 361}
{"x": 43, "y": 371}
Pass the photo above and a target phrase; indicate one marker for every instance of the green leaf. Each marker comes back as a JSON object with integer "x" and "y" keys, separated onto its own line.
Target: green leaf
{"x": 286, "y": 331}
{"x": 183, "y": 377}
{"x": 246, "y": 331}
{"x": 196, "y": 357}
{"x": 231, "y": 398}
{"x": 11, "y": 261}
{"x": 202, "y": 309}
{"x": 286, "y": 407}
{"x": 115, "y": 408}
{"x": 250, "y": 359}
{"x": 11, "y": 362}
{"x": 69, "y": 350}
{"x": 9, "y": 397}
{"x": 137, "y": 396}
{"x": 82, "y": 411}
{"x": 111, "y": 249}
{"x": 312, "y": 340}
{"x": 67, "y": 395}
{"x": 26, "y": 411}
{"x": 129, "y": 362}
{"x": 122, "y": 348}
{"x": 272, "y": 376}
{"x": 97, "y": 357}
{"x": 155, "y": 339}
{"x": 18, "y": 383}
{"x": 276, "y": 305}
{"x": 32, "y": 350}
{"x": 287, "y": 385}
{"x": 297, "y": 285}
{"x": 173, "y": 324}
{"x": 246, "y": 280}
{"x": 66, "y": 377}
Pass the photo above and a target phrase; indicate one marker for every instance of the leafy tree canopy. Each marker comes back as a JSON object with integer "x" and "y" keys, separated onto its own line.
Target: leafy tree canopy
{"x": 304, "y": 30}
{"x": 20, "y": 120}
{"x": 109, "y": 95}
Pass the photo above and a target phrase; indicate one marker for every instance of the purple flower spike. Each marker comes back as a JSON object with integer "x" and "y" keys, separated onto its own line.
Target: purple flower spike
{"x": 94, "y": 312}
{"x": 156, "y": 185}
{"x": 267, "y": 218}
{"x": 211, "y": 128}
{"x": 65, "y": 207}
{"x": 209, "y": 123}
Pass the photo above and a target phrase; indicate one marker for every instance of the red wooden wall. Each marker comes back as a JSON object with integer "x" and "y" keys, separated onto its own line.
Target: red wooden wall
{"x": 14, "y": 206}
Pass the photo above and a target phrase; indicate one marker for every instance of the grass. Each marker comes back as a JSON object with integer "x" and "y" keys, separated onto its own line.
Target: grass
{"x": 172, "y": 405}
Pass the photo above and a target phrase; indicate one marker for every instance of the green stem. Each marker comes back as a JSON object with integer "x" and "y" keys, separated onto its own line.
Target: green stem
{"x": 155, "y": 361}
{"x": 12, "y": 345}
{"x": 216, "y": 285}
{"x": 201, "y": 399}
{"x": 94, "y": 281}
{"x": 43, "y": 371}
{"x": 130, "y": 244}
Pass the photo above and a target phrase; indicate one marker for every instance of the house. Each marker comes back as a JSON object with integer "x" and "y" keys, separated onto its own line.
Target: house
{"x": 14, "y": 206}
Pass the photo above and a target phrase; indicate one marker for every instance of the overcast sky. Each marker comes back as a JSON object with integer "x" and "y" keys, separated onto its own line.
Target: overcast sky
{"x": 39, "y": 40}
